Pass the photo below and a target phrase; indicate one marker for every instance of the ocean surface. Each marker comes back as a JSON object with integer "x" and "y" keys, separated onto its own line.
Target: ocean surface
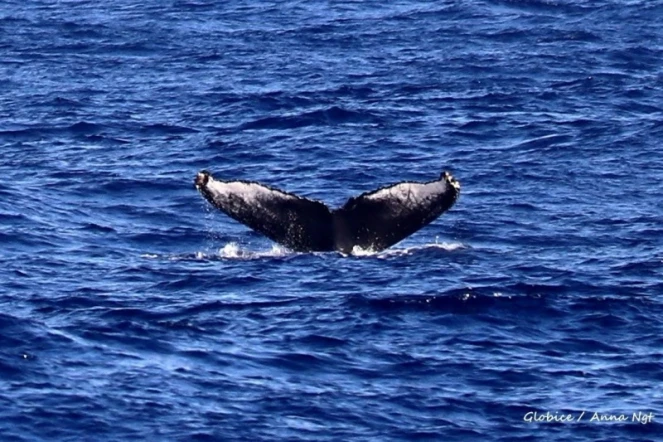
{"x": 130, "y": 309}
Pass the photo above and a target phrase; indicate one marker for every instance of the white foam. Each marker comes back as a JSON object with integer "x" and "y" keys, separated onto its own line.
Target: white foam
{"x": 393, "y": 251}
{"x": 358, "y": 251}
{"x": 233, "y": 250}
{"x": 449, "y": 246}
{"x": 230, "y": 250}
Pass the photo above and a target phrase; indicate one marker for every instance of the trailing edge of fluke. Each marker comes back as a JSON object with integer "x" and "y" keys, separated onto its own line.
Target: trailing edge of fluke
{"x": 372, "y": 221}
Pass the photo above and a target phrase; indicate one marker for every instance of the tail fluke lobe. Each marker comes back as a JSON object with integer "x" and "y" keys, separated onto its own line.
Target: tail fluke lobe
{"x": 381, "y": 218}
{"x": 298, "y": 223}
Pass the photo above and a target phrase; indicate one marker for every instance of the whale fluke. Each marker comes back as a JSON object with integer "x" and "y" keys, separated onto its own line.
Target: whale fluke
{"x": 373, "y": 220}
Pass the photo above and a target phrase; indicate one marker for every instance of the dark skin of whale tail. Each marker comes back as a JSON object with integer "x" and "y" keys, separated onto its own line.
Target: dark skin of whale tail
{"x": 372, "y": 221}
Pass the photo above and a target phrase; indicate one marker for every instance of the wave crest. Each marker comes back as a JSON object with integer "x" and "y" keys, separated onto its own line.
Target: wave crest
{"x": 234, "y": 250}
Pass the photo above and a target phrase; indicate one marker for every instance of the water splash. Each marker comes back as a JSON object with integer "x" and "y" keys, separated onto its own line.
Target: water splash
{"x": 231, "y": 250}
{"x": 234, "y": 250}
{"x": 446, "y": 246}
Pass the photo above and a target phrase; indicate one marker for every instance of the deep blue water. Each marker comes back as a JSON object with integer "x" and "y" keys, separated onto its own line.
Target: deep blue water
{"x": 131, "y": 310}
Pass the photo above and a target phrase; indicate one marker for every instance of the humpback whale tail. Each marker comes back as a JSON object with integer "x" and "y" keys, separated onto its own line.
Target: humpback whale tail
{"x": 374, "y": 220}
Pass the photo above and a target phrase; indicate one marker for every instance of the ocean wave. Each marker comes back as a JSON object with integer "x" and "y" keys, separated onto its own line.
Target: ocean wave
{"x": 329, "y": 116}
